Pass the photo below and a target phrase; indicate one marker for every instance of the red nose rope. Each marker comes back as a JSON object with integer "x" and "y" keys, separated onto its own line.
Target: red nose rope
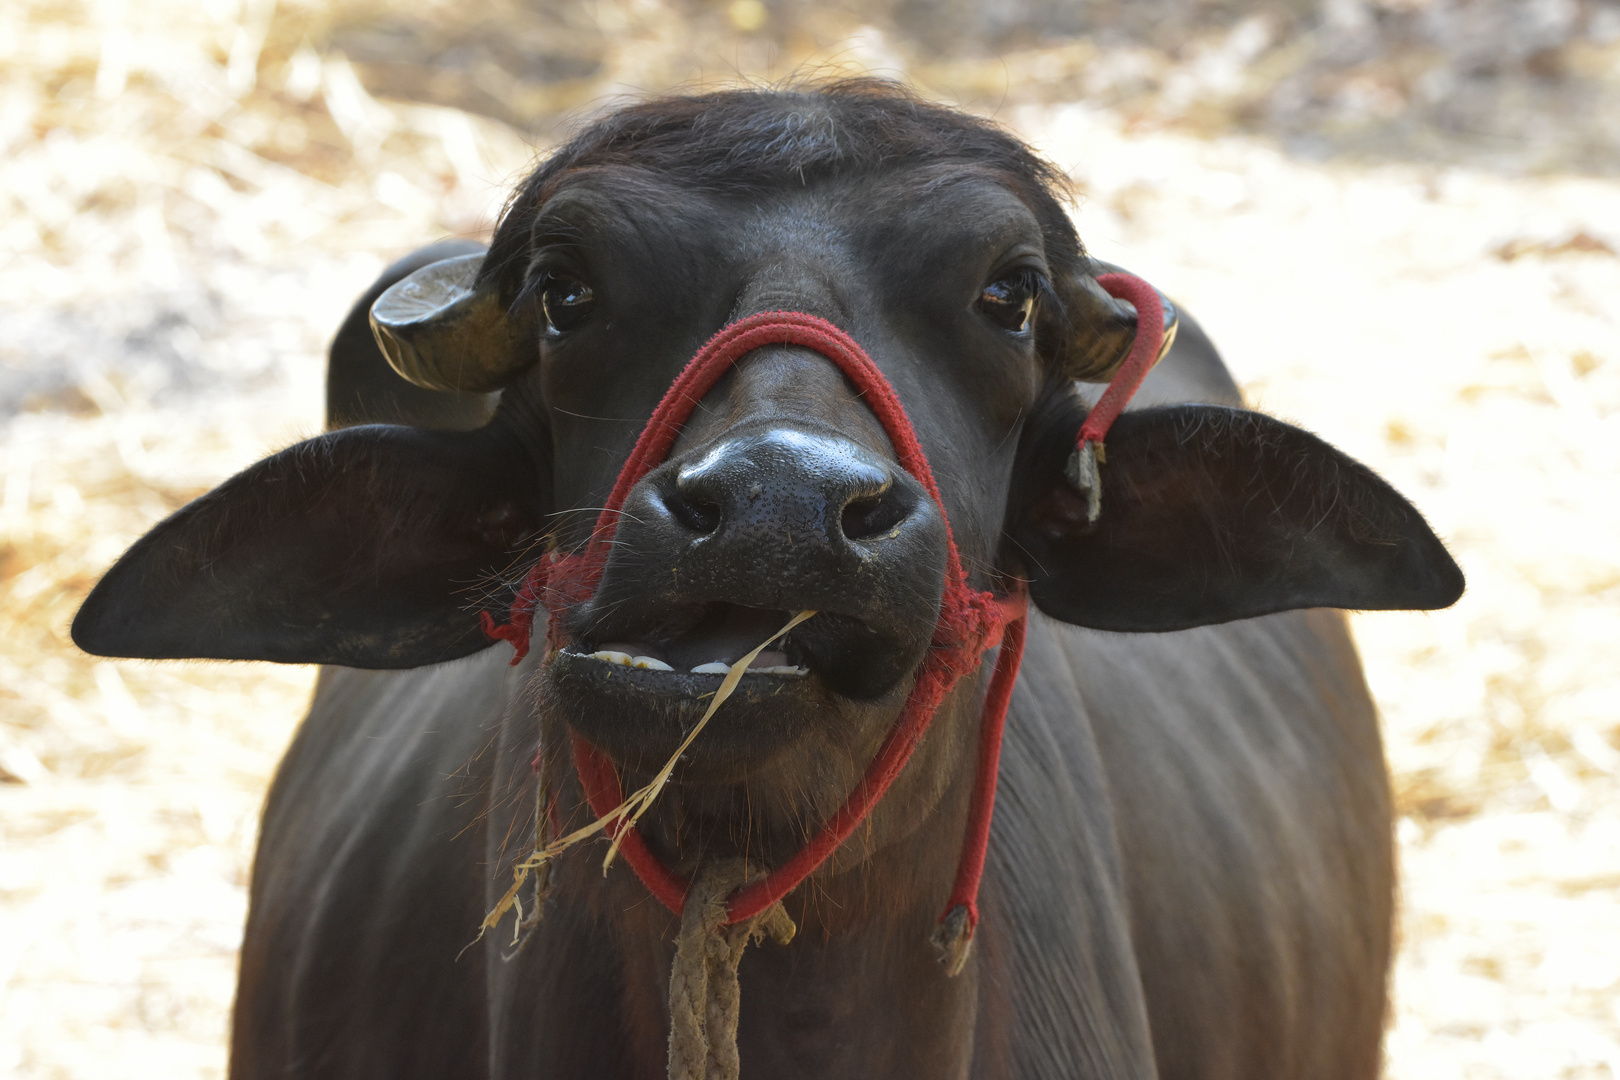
{"x": 970, "y": 622}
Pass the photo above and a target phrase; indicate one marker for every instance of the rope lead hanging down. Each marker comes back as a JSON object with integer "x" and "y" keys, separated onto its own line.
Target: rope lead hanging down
{"x": 704, "y": 996}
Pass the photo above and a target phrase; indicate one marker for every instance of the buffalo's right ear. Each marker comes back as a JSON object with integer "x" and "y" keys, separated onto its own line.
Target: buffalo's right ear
{"x": 367, "y": 547}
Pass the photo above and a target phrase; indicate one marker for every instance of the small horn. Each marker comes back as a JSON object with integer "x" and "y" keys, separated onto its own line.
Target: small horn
{"x": 441, "y": 331}
{"x": 1101, "y": 328}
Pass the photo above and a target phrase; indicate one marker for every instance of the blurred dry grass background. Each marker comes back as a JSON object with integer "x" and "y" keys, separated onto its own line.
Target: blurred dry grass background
{"x": 1394, "y": 215}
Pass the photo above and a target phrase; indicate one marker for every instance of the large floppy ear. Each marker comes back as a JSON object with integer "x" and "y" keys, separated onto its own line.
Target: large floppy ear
{"x": 368, "y": 547}
{"x": 1210, "y": 514}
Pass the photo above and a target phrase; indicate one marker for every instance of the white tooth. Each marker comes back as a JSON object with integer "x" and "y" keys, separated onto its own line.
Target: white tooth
{"x": 713, "y": 668}
{"x": 612, "y": 657}
{"x": 651, "y": 663}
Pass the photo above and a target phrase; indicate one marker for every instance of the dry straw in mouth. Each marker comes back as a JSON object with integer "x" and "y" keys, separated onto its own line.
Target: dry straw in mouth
{"x": 630, "y": 811}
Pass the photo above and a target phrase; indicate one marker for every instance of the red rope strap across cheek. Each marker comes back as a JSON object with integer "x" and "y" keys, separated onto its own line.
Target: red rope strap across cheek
{"x": 970, "y": 622}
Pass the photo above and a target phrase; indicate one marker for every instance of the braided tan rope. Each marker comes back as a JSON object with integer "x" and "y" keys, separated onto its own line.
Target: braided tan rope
{"x": 704, "y": 997}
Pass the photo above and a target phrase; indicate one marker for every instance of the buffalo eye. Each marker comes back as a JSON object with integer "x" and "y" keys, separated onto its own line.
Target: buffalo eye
{"x": 566, "y": 301}
{"x": 1010, "y": 301}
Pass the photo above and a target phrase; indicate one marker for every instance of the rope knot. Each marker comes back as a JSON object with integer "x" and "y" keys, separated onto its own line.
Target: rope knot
{"x": 968, "y": 620}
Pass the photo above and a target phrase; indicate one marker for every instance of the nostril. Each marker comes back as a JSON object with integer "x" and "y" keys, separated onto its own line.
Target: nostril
{"x": 697, "y": 513}
{"x": 857, "y": 519}
{"x": 872, "y": 515}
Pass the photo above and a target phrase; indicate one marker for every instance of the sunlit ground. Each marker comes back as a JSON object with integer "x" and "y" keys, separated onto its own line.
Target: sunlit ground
{"x": 185, "y": 222}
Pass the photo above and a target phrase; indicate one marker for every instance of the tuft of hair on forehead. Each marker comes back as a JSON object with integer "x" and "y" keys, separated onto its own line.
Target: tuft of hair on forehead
{"x": 747, "y": 141}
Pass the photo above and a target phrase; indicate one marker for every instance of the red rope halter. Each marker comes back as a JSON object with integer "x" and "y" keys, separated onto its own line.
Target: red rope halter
{"x": 970, "y": 622}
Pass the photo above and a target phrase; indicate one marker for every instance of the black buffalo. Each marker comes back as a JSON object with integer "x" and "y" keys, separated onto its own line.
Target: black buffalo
{"x": 1191, "y": 871}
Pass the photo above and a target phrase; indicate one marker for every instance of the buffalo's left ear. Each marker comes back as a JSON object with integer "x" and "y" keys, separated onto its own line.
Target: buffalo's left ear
{"x": 1211, "y": 514}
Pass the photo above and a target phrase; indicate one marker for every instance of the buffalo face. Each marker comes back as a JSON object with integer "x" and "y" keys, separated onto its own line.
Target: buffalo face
{"x": 783, "y": 492}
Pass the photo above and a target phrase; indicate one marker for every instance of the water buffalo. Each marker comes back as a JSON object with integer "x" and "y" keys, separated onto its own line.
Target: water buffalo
{"x": 1191, "y": 869}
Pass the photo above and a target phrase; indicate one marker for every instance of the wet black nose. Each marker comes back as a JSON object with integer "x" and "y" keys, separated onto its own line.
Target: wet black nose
{"x": 824, "y": 490}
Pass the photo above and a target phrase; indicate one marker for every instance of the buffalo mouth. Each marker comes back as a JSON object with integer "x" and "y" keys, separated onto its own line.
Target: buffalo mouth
{"x": 721, "y": 635}
{"x": 636, "y": 692}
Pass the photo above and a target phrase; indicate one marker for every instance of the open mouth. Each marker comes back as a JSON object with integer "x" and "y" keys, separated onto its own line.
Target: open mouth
{"x": 635, "y": 691}
{"x": 769, "y": 662}
{"x": 721, "y": 635}
{"x": 636, "y": 678}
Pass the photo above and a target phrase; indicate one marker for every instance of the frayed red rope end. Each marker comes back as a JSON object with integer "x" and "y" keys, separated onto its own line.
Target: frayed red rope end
{"x": 953, "y": 937}
{"x": 516, "y": 633}
{"x": 519, "y": 627}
